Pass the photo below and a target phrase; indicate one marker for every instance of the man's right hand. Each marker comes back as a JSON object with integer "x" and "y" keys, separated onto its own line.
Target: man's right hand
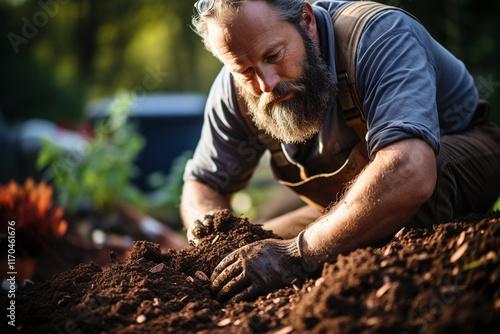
{"x": 198, "y": 228}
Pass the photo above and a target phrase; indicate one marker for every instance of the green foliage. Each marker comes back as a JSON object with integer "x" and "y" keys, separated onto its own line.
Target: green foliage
{"x": 96, "y": 47}
{"x": 167, "y": 196}
{"x": 100, "y": 172}
{"x": 496, "y": 206}
{"x": 29, "y": 87}
{"x": 257, "y": 196}
{"x": 30, "y": 90}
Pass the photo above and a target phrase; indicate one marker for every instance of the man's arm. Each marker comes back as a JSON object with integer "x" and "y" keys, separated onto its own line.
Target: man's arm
{"x": 380, "y": 201}
{"x": 292, "y": 223}
{"x": 199, "y": 199}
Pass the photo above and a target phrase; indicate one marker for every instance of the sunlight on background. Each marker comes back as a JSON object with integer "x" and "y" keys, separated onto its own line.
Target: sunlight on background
{"x": 96, "y": 48}
{"x": 62, "y": 55}
{"x": 90, "y": 49}
{"x": 17, "y": 2}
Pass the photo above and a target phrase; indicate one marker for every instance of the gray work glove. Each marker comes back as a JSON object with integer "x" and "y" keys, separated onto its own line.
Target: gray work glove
{"x": 259, "y": 268}
{"x": 198, "y": 229}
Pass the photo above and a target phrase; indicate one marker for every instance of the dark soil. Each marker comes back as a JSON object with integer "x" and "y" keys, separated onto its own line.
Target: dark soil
{"x": 441, "y": 281}
{"x": 69, "y": 251}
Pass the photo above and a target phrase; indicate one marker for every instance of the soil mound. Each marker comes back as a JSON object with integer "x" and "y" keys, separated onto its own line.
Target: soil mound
{"x": 446, "y": 280}
{"x": 224, "y": 234}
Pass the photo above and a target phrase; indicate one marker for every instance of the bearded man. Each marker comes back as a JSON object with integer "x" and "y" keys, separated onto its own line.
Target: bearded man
{"x": 429, "y": 153}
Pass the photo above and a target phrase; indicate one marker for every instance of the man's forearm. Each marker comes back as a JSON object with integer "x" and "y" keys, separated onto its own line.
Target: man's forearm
{"x": 292, "y": 223}
{"x": 198, "y": 199}
{"x": 380, "y": 201}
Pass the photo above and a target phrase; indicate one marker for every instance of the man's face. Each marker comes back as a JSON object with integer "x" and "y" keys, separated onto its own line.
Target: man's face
{"x": 284, "y": 81}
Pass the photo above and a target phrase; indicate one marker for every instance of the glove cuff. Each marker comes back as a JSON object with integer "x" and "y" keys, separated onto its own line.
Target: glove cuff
{"x": 292, "y": 248}
{"x": 299, "y": 246}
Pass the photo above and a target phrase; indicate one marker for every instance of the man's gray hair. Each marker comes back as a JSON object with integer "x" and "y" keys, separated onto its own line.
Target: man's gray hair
{"x": 226, "y": 10}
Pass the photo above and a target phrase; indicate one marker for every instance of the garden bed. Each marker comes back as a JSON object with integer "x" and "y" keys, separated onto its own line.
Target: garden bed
{"x": 446, "y": 280}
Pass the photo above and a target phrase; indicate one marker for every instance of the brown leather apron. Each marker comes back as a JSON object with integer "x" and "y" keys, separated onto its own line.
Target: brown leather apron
{"x": 323, "y": 189}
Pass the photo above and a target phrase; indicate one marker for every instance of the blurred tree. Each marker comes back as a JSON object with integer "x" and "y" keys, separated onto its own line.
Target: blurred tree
{"x": 28, "y": 88}
{"x": 87, "y": 49}
{"x": 56, "y": 54}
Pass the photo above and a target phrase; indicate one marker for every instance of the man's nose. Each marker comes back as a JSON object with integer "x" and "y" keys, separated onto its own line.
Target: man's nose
{"x": 268, "y": 79}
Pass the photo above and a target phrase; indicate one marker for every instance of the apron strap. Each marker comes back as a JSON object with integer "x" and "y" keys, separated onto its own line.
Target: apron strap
{"x": 349, "y": 22}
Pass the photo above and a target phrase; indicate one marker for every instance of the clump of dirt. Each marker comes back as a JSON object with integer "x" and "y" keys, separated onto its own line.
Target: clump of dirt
{"x": 224, "y": 234}
{"x": 446, "y": 280}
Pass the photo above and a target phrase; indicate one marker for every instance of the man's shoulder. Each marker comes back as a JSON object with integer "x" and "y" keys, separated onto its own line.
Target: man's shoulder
{"x": 222, "y": 87}
{"x": 330, "y": 5}
{"x": 392, "y": 13}
{"x": 224, "y": 78}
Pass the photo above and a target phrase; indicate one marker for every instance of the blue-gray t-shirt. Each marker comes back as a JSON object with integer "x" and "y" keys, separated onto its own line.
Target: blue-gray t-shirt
{"x": 411, "y": 86}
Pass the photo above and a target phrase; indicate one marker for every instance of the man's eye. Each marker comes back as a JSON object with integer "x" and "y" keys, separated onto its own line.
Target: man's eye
{"x": 247, "y": 71}
{"x": 274, "y": 56}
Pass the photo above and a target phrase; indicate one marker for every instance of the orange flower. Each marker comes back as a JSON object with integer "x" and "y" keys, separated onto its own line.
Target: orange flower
{"x": 31, "y": 207}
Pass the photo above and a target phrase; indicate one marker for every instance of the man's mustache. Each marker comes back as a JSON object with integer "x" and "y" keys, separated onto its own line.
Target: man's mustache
{"x": 280, "y": 91}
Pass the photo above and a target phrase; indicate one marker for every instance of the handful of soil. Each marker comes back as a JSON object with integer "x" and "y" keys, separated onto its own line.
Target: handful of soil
{"x": 224, "y": 234}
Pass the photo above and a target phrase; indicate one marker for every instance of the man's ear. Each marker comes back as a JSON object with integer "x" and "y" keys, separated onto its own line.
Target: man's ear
{"x": 309, "y": 21}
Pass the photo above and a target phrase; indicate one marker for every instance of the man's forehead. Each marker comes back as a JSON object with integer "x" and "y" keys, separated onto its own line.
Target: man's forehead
{"x": 257, "y": 27}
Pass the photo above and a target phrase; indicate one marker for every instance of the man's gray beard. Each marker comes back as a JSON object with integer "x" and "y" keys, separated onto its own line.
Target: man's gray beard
{"x": 299, "y": 118}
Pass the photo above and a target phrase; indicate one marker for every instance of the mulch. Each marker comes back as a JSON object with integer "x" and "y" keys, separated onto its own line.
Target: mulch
{"x": 441, "y": 281}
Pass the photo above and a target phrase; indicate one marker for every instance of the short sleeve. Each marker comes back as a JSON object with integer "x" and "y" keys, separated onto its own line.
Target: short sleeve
{"x": 398, "y": 82}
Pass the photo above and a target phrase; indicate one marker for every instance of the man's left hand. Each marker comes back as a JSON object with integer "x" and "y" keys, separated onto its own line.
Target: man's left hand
{"x": 256, "y": 269}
